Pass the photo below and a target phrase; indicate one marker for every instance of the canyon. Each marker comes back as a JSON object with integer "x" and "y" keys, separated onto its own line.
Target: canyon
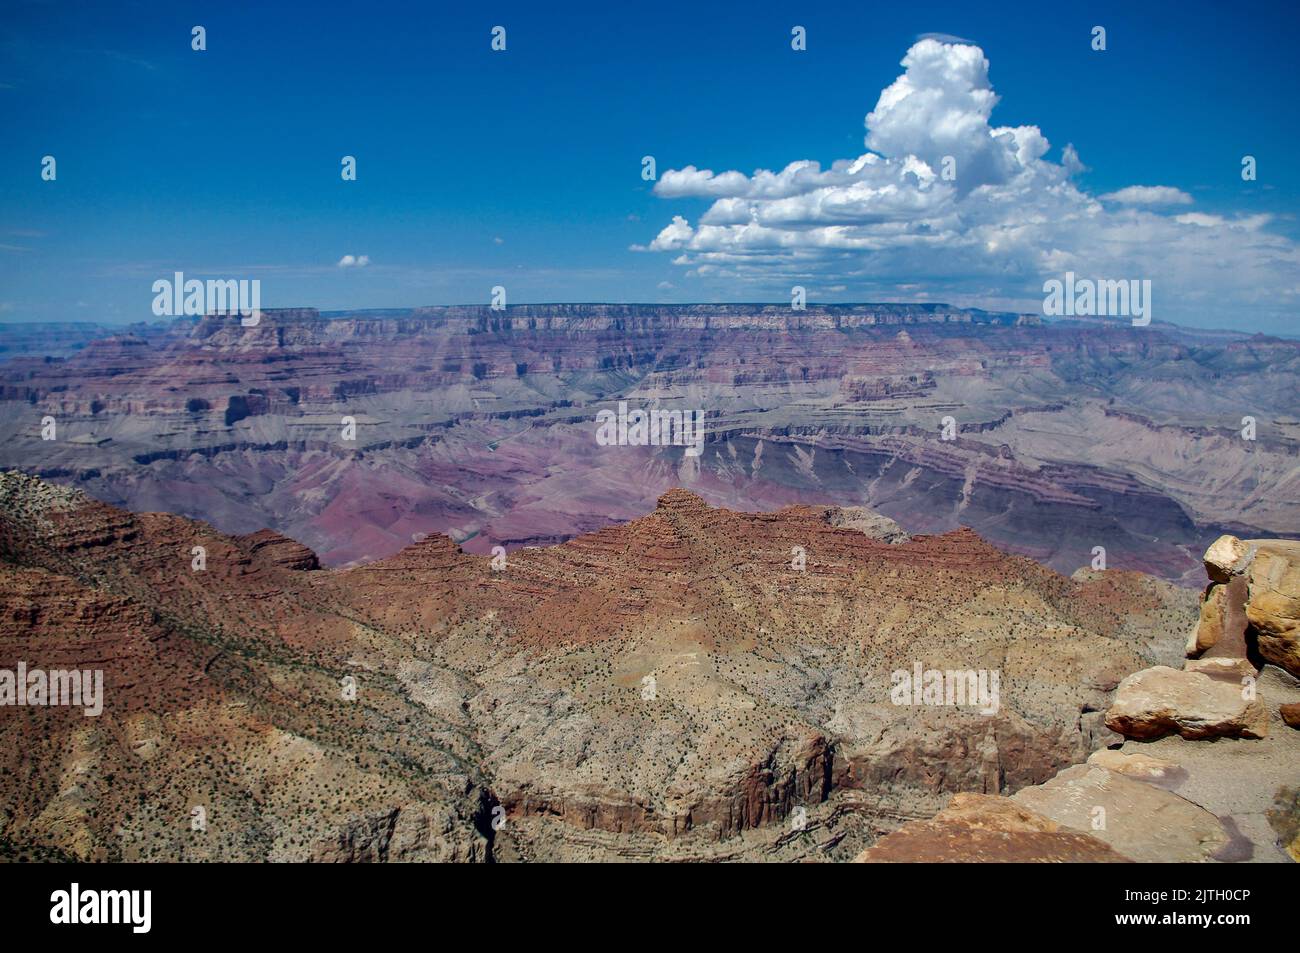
{"x": 674, "y": 688}
{"x": 367, "y": 587}
{"x": 1068, "y": 437}
{"x": 669, "y": 688}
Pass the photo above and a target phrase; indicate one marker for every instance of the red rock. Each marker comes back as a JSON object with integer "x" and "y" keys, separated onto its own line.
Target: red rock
{"x": 976, "y": 828}
{"x": 1290, "y": 714}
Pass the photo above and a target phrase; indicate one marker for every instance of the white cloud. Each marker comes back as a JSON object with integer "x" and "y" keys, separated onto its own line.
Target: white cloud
{"x": 968, "y": 210}
{"x": 354, "y": 261}
{"x": 1148, "y": 195}
{"x": 693, "y": 181}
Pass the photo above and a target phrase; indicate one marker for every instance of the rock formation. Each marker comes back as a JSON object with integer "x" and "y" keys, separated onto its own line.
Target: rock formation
{"x": 1166, "y": 794}
{"x": 479, "y": 424}
{"x": 678, "y": 687}
{"x": 1252, "y": 602}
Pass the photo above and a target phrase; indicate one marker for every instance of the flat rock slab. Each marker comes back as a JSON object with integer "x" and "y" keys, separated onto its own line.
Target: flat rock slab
{"x": 1141, "y": 767}
{"x": 1159, "y": 701}
{"x": 1137, "y": 819}
{"x": 983, "y": 828}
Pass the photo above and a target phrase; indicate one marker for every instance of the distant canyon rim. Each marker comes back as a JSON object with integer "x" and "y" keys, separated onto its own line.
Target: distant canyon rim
{"x": 1069, "y": 437}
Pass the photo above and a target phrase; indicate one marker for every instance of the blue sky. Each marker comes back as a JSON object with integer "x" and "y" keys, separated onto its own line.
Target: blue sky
{"x": 523, "y": 168}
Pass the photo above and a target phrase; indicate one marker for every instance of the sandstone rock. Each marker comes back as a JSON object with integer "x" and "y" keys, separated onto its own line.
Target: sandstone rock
{"x": 1227, "y": 557}
{"x": 1139, "y": 820}
{"x": 1274, "y": 607}
{"x": 1161, "y": 700}
{"x": 1224, "y": 669}
{"x": 1142, "y": 767}
{"x": 1291, "y": 714}
{"x": 1209, "y": 627}
{"x": 1230, "y": 601}
{"x": 396, "y": 835}
{"x": 983, "y": 828}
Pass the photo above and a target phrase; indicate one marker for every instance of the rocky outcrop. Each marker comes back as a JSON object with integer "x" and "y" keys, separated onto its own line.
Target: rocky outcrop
{"x": 1221, "y": 629}
{"x": 1143, "y": 822}
{"x": 408, "y": 834}
{"x": 867, "y": 521}
{"x": 1168, "y": 800}
{"x": 1167, "y": 797}
{"x": 1252, "y": 604}
{"x": 280, "y": 550}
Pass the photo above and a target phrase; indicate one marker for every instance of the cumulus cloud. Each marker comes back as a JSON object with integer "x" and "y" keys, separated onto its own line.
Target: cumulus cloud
{"x": 1148, "y": 195}
{"x": 946, "y": 200}
{"x": 354, "y": 261}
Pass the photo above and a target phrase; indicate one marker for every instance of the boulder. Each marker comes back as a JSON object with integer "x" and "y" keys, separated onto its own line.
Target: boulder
{"x": 1227, "y": 557}
{"x": 1160, "y": 700}
{"x": 1274, "y": 607}
{"x": 983, "y": 828}
{"x": 1139, "y": 820}
{"x": 1290, "y": 714}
